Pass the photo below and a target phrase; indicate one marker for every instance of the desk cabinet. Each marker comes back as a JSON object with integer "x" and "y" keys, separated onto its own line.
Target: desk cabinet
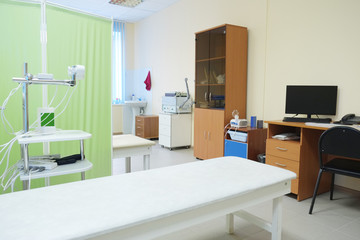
{"x": 299, "y": 156}
{"x": 147, "y": 126}
{"x": 255, "y": 144}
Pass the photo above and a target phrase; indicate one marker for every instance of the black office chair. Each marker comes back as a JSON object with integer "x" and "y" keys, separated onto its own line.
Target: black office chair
{"x": 344, "y": 143}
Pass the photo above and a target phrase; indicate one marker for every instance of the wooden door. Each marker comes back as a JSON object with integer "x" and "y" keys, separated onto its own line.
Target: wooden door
{"x": 200, "y": 133}
{"x": 215, "y": 138}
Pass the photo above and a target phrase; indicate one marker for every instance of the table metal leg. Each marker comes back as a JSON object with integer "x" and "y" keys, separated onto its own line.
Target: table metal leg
{"x": 128, "y": 164}
{"x": 276, "y": 219}
{"x": 82, "y": 175}
{"x": 25, "y": 184}
{"x": 230, "y": 223}
{"x": 47, "y": 181}
{"x": 146, "y": 162}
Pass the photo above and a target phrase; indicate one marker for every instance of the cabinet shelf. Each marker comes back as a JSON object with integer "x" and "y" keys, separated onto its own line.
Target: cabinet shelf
{"x": 79, "y": 166}
{"x": 211, "y": 59}
{"x": 211, "y": 84}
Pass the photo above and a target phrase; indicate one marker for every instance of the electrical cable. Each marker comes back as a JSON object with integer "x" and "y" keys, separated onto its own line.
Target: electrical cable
{"x": 72, "y": 92}
{"x": 3, "y": 118}
{"x": 56, "y": 89}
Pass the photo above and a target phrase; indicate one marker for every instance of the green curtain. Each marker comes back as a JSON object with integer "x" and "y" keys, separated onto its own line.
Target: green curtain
{"x": 73, "y": 39}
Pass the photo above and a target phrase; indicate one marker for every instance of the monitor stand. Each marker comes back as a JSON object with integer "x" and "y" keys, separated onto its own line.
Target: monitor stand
{"x": 307, "y": 119}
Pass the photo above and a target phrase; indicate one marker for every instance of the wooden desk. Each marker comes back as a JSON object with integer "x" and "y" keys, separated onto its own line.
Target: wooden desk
{"x": 299, "y": 156}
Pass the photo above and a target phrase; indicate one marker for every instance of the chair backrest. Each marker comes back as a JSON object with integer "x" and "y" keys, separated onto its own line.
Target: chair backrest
{"x": 341, "y": 141}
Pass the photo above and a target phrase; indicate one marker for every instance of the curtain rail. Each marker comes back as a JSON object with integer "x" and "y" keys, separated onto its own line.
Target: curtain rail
{"x": 64, "y": 7}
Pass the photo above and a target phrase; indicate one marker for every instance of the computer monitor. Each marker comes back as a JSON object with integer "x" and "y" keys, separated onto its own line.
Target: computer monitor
{"x": 311, "y": 100}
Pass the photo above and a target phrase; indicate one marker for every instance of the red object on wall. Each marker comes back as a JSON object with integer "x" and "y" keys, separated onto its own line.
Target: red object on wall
{"x": 148, "y": 82}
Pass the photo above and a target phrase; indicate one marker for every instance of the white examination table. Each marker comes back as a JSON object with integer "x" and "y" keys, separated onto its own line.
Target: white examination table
{"x": 128, "y": 145}
{"x": 146, "y": 204}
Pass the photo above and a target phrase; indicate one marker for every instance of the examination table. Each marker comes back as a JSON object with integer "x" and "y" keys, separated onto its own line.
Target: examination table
{"x": 146, "y": 204}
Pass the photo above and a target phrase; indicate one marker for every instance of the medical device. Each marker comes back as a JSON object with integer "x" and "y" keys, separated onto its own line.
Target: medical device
{"x": 46, "y": 120}
{"x": 76, "y": 72}
{"x": 177, "y": 102}
{"x": 236, "y": 122}
{"x": 238, "y": 136}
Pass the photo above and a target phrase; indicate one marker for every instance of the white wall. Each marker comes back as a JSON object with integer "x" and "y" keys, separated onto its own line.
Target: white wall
{"x": 290, "y": 42}
{"x": 117, "y": 119}
{"x": 313, "y": 42}
{"x": 165, "y": 42}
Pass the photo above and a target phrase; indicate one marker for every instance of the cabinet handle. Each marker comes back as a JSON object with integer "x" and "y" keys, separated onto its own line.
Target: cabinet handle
{"x": 209, "y": 135}
{"x": 210, "y": 96}
{"x": 205, "y": 96}
{"x": 204, "y": 135}
{"x": 281, "y": 149}
{"x": 281, "y": 165}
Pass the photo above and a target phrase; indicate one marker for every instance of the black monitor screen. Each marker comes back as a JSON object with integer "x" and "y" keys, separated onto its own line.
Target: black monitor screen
{"x": 311, "y": 100}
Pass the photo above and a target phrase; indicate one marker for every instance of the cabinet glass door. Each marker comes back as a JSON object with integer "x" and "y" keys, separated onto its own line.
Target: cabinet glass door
{"x": 210, "y": 69}
{"x": 202, "y": 69}
{"x": 202, "y": 46}
{"x": 217, "y": 68}
{"x": 217, "y": 42}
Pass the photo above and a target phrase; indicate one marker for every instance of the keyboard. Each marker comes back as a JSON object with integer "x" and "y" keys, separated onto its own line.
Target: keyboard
{"x": 329, "y": 125}
{"x": 316, "y": 120}
{"x": 324, "y": 125}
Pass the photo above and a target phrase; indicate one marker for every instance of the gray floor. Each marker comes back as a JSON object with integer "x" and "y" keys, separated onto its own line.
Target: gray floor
{"x": 331, "y": 220}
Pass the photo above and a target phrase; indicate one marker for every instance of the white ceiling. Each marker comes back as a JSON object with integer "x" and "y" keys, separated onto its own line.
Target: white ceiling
{"x": 105, "y": 9}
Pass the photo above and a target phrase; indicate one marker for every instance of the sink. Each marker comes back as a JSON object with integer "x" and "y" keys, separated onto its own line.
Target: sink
{"x": 140, "y": 104}
{"x": 137, "y": 108}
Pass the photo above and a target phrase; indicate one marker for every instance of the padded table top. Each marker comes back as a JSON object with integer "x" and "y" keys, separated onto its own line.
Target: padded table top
{"x": 128, "y": 140}
{"x": 87, "y": 208}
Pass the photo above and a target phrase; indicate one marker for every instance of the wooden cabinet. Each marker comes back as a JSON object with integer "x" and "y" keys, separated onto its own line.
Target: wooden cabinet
{"x": 299, "y": 156}
{"x": 209, "y": 133}
{"x": 220, "y": 84}
{"x": 147, "y": 126}
{"x": 254, "y": 144}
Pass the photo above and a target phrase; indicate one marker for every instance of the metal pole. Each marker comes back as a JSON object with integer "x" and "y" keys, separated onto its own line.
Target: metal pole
{"x": 24, "y": 147}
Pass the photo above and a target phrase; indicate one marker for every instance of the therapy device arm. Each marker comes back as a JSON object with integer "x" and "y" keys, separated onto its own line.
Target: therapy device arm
{"x": 75, "y": 72}
{"x": 188, "y": 94}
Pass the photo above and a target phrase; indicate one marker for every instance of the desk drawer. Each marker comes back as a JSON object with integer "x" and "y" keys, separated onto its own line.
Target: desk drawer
{"x": 283, "y": 149}
{"x": 283, "y": 163}
{"x": 139, "y": 131}
{"x": 139, "y": 121}
{"x": 288, "y": 165}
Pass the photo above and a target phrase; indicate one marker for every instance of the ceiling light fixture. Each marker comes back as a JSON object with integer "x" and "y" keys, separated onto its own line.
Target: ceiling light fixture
{"x": 126, "y": 3}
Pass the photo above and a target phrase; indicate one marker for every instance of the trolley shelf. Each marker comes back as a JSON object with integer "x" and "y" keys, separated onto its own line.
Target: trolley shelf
{"x": 79, "y": 166}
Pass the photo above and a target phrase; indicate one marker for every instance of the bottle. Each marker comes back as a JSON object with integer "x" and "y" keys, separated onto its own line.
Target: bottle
{"x": 133, "y": 97}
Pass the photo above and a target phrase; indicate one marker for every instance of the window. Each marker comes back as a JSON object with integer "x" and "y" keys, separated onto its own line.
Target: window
{"x": 118, "y": 63}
